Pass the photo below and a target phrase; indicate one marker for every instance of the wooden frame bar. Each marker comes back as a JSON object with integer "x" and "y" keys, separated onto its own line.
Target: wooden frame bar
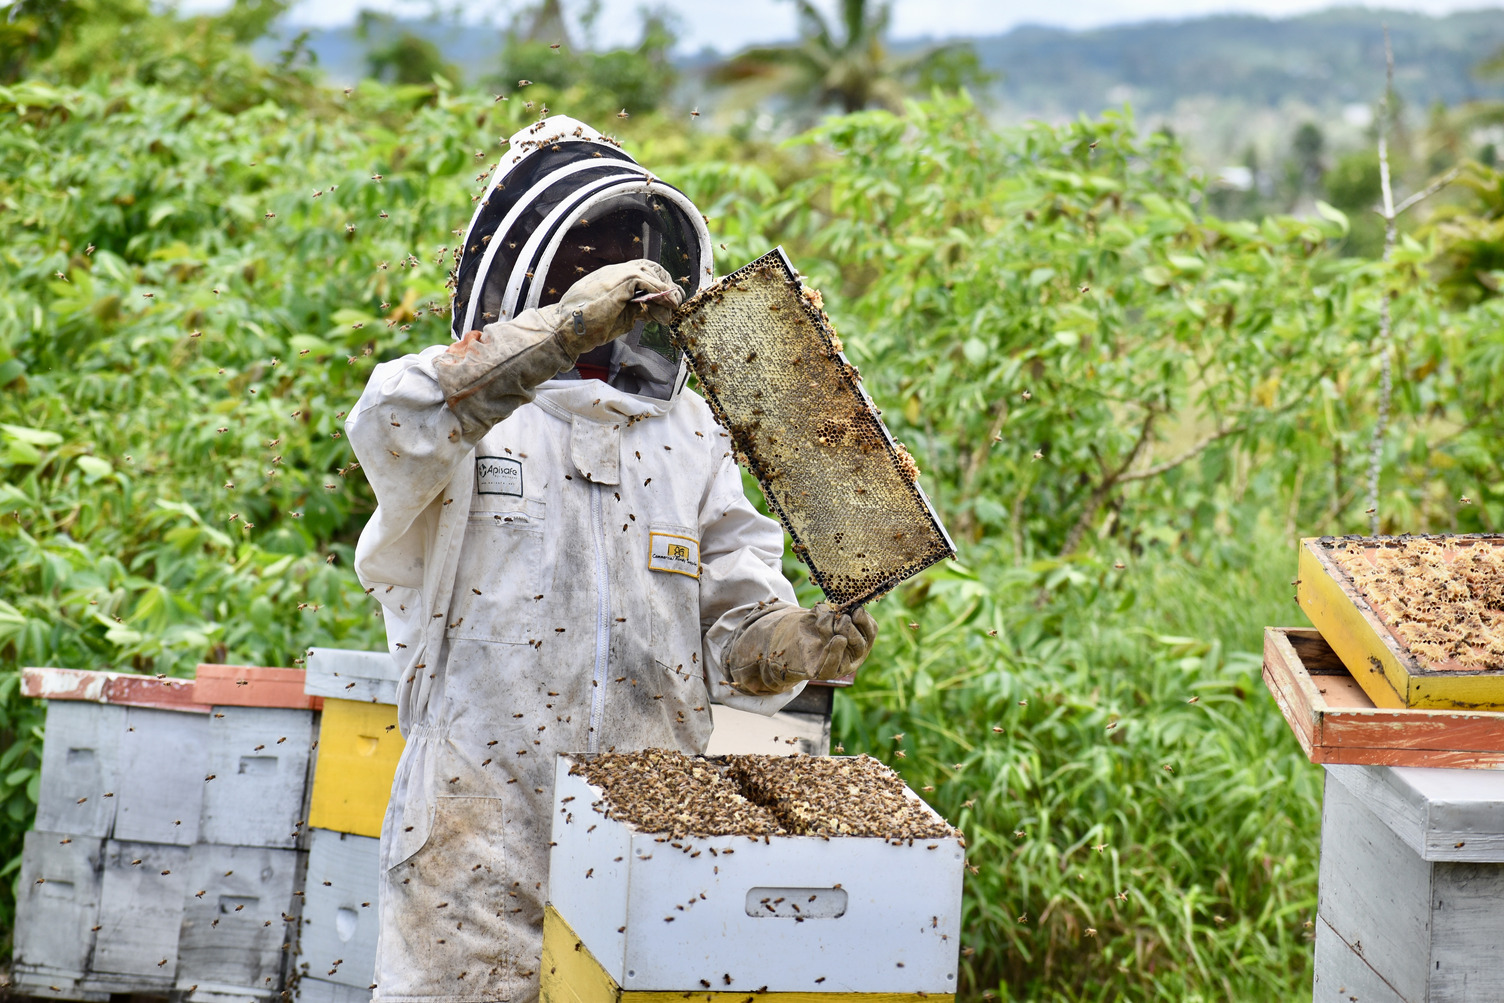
{"x": 1336, "y": 722}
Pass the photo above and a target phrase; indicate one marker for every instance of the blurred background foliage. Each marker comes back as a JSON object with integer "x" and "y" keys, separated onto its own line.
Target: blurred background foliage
{"x": 1127, "y": 406}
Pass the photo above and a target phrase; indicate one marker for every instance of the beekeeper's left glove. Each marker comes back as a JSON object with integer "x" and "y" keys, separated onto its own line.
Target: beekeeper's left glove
{"x": 788, "y": 645}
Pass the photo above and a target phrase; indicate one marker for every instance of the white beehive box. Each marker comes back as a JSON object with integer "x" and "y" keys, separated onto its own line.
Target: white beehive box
{"x": 160, "y": 786}
{"x": 236, "y": 921}
{"x": 80, "y": 764}
{"x": 873, "y": 917}
{"x": 140, "y": 916}
{"x": 339, "y": 917}
{"x": 311, "y": 990}
{"x": 1411, "y": 901}
{"x": 57, "y": 908}
{"x": 259, "y": 759}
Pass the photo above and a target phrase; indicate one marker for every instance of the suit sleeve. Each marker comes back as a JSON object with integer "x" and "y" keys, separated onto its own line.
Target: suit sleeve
{"x": 741, "y": 554}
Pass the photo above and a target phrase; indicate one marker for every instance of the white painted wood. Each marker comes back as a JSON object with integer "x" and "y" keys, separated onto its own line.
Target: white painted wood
{"x": 80, "y": 763}
{"x": 740, "y": 732}
{"x": 140, "y": 913}
{"x": 339, "y": 918}
{"x": 1342, "y": 974}
{"x": 234, "y": 921}
{"x": 1374, "y": 891}
{"x": 899, "y": 932}
{"x": 164, "y": 760}
{"x": 259, "y": 756}
{"x": 1467, "y": 933}
{"x": 51, "y": 985}
{"x": 57, "y": 903}
{"x": 369, "y": 676}
{"x": 1441, "y": 814}
{"x": 311, "y": 990}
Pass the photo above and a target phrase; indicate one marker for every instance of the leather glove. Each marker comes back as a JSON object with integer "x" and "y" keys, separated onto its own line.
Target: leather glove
{"x": 488, "y": 374}
{"x": 788, "y": 645}
{"x": 603, "y": 299}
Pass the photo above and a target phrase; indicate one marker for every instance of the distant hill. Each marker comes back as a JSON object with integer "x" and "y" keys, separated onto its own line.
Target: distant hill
{"x": 1225, "y": 83}
{"x": 1327, "y": 59}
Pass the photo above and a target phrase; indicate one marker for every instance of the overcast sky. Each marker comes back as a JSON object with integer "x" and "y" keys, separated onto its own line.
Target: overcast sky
{"x": 731, "y": 24}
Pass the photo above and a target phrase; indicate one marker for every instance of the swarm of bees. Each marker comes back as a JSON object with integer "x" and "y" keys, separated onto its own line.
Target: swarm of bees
{"x": 1443, "y": 597}
{"x": 666, "y": 791}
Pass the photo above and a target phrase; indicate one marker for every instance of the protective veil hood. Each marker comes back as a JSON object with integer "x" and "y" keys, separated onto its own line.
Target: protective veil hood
{"x": 563, "y": 181}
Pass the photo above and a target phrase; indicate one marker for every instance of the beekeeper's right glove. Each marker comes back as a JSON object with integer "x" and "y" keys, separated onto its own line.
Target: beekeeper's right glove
{"x": 489, "y": 373}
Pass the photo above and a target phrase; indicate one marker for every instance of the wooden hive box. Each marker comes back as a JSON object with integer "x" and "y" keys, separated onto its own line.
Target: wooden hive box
{"x": 164, "y": 758}
{"x": 140, "y": 917}
{"x": 80, "y": 764}
{"x": 359, "y": 743}
{"x": 1411, "y": 900}
{"x": 57, "y": 908}
{"x": 653, "y": 917}
{"x": 1335, "y": 722}
{"x": 259, "y": 758}
{"x": 234, "y": 922}
{"x": 253, "y": 686}
{"x": 339, "y": 918}
{"x": 1369, "y": 640}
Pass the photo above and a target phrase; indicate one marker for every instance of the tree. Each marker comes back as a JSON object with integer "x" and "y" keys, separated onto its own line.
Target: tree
{"x": 847, "y": 64}
{"x": 403, "y": 57}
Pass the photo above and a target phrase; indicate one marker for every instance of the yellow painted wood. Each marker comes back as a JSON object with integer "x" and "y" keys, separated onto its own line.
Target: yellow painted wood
{"x": 1343, "y": 626}
{"x": 1369, "y": 651}
{"x": 572, "y": 975}
{"x": 359, "y": 745}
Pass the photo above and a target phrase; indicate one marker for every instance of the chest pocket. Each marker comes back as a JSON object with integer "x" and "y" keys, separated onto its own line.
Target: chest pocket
{"x": 500, "y": 572}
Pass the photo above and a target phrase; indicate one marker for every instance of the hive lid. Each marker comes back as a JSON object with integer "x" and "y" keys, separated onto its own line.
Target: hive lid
{"x": 771, "y": 367}
{"x": 48, "y": 683}
{"x": 347, "y": 674}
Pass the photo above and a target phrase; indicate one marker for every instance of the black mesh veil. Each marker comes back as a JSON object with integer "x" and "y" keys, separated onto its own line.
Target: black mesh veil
{"x": 565, "y": 202}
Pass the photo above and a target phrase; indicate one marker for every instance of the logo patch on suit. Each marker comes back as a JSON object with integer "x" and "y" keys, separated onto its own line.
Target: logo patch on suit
{"x": 674, "y": 553}
{"x": 498, "y": 475}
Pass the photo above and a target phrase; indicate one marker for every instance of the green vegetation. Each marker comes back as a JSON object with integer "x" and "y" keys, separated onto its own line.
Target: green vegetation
{"x": 1126, "y": 408}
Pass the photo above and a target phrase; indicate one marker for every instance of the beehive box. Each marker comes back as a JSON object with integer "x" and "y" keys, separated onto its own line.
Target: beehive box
{"x": 240, "y": 910}
{"x": 337, "y": 941}
{"x": 1411, "y": 900}
{"x": 259, "y": 759}
{"x": 359, "y": 744}
{"x": 1418, "y": 621}
{"x": 1336, "y": 722}
{"x": 364, "y": 676}
{"x": 57, "y": 910}
{"x": 753, "y": 909}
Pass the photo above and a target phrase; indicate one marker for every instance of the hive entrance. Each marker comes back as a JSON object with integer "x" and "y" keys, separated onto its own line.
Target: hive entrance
{"x": 664, "y": 791}
{"x": 1442, "y": 597}
{"x": 771, "y": 367}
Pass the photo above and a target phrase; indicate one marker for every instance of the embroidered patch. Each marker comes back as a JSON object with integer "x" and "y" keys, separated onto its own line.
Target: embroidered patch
{"x": 678, "y": 554}
{"x": 498, "y": 475}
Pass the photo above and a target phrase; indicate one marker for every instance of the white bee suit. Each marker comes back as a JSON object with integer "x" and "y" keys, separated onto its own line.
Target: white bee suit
{"x": 570, "y": 583}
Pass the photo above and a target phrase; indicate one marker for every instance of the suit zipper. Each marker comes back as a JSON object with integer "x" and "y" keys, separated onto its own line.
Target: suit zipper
{"x": 602, "y": 622}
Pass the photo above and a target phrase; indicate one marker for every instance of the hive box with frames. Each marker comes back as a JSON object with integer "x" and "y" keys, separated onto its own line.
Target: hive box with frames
{"x": 1417, "y": 620}
{"x": 634, "y": 912}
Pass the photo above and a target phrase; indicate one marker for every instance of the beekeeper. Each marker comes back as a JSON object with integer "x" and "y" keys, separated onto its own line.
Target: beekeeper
{"x": 563, "y": 551}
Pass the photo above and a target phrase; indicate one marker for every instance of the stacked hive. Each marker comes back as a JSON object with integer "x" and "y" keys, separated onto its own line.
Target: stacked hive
{"x": 165, "y": 853}
{"x": 1398, "y": 691}
{"x": 359, "y": 746}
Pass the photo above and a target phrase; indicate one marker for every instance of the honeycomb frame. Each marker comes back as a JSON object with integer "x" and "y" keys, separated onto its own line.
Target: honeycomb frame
{"x": 1367, "y": 624}
{"x": 763, "y": 350}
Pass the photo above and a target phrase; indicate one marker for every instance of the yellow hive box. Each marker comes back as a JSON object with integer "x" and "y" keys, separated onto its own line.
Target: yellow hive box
{"x": 572, "y": 975}
{"x": 359, "y": 746}
{"x": 1378, "y": 658}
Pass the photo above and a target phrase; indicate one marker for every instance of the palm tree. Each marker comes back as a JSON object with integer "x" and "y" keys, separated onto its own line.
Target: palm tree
{"x": 846, "y": 64}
